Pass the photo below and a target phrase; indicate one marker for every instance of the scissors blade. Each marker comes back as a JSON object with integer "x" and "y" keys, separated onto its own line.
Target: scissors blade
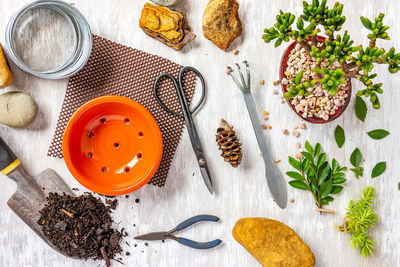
{"x": 153, "y": 236}
{"x": 206, "y": 177}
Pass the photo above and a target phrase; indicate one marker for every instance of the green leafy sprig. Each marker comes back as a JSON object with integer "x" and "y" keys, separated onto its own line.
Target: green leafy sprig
{"x": 355, "y": 160}
{"x": 315, "y": 174}
{"x": 359, "y": 220}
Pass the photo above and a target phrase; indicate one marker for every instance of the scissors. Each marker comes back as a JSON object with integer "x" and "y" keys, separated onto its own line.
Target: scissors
{"x": 187, "y": 115}
{"x": 185, "y": 241}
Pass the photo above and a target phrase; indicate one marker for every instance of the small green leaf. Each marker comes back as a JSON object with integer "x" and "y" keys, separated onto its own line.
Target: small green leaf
{"x": 324, "y": 173}
{"x": 308, "y": 156}
{"x": 304, "y": 165}
{"x": 336, "y": 189}
{"x": 295, "y": 175}
{"x": 278, "y": 42}
{"x": 339, "y": 136}
{"x": 312, "y": 180}
{"x": 298, "y": 78}
{"x": 361, "y": 108}
{"x": 355, "y": 157}
{"x": 328, "y": 199}
{"x": 313, "y": 189}
{"x": 339, "y": 181}
{"x": 299, "y": 184}
{"x": 309, "y": 147}
{"x": 338, "y": 175}
{"x": 295, "y": 164}
{"x": 398, "y": 186}
{"x": 325, "y": 189}
{"x": 378, "y": 169}
{"x": 378, "y": 134}
{"x": 366, "y": 22}
{"x": 317, "y": 149}
{"x": 321, "y": 160}
{"x": 335, "y": 165}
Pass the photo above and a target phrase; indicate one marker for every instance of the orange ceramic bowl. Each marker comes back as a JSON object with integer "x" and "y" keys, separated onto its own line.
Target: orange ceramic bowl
{"x": 112, "y": 145}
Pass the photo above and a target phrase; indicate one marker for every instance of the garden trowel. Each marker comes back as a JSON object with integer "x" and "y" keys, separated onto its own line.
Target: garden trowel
{"x": 32, "y": 191}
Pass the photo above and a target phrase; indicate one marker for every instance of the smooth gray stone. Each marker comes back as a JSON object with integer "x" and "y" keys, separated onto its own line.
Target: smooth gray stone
{"x": 165, "y": 2}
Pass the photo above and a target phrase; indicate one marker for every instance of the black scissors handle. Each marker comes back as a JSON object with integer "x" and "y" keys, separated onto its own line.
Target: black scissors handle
{"x": 187, "y": 115}
{"x": 179, "y": 86}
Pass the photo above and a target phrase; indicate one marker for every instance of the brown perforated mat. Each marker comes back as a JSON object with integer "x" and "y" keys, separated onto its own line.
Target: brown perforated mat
{"x": 114, "y": 69}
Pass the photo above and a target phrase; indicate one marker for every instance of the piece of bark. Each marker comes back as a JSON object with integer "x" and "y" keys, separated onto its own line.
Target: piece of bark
{"x": 189, "y": 36}
{"x": 168, "y": 26}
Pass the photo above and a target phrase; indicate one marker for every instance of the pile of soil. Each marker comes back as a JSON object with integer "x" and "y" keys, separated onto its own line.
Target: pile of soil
{"x": 81, "y": 227}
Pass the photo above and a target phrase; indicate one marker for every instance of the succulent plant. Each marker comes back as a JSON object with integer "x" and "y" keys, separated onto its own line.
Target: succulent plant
{"x": 334, "y": 19}
{"x": 282, "y": 30}
{"x": 315, "y": 12}
{"x": 393, "y": 60}
{"x": 304, "y": 32}
{"x": 349, "y": 60}
{"x": 339, "y": 49}
{"x": 297, "y": 87}
{"x": 331, "y": 79}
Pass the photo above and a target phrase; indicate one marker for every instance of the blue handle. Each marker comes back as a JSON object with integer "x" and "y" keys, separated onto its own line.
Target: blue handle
{"x": 194, "y": 220}
{"x": 199, "y": 245}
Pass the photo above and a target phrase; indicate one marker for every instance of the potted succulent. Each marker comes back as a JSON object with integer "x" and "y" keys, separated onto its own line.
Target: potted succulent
{"x": 316, "y": 71}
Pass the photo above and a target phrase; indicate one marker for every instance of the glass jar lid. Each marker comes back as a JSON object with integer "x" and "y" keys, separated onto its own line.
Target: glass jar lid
{"x": 49, "y": 39}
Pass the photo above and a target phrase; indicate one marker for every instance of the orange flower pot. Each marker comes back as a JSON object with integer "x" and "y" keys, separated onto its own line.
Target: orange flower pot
{"x": 112, "y": 145}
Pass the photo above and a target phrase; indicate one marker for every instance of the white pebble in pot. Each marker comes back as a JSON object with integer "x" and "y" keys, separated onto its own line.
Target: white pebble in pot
{"x": 17, "y": 109}
{"x": 165, "y": 2}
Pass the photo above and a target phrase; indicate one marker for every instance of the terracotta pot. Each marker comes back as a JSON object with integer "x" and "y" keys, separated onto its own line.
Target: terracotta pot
{"x": 282, "y": 75}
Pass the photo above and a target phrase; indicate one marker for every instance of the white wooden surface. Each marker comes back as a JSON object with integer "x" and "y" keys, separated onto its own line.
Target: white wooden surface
{"x": 241, "y": 192}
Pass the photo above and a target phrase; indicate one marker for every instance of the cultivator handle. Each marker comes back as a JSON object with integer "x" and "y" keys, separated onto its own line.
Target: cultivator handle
{"x": 8, "y": 160}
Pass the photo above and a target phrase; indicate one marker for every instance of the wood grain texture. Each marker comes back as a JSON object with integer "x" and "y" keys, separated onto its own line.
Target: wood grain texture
{"x": 241, "y": 192}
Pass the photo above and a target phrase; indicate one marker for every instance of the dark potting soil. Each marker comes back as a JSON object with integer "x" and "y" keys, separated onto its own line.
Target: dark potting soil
{"x": 112, "y": 203}
{"x": 80, "y": 227}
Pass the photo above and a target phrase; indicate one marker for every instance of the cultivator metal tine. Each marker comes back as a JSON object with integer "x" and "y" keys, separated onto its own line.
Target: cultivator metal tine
{"x": 234, "y": 78}
{"x": 241, "y": 76}
{"x": 247, "y": 72}
{"x": 243, "y": 86}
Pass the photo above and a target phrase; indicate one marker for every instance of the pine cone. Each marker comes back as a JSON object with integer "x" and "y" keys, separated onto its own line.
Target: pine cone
{"x": 229, "y": 144}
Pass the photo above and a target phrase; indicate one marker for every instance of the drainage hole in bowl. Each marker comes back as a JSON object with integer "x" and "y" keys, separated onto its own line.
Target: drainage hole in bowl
{"x": 90, "y": 134}
{"x": 104, "y": 169}
{"x": 102, "y": 120}
{"x": 90, "y": 155}
{"x": 127, "y": 120}
{"x": 116, "y": 145}
{"x": 127, "y": 169}
{"x": 140, "y": 134}
{"x": 139, "y": 155}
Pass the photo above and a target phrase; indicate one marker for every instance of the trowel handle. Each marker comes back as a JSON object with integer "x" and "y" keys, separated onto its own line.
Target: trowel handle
{"x": 8, "y": 161}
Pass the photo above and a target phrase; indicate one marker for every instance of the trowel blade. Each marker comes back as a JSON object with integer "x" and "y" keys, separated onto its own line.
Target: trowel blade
{"x": 30, "y": 197}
